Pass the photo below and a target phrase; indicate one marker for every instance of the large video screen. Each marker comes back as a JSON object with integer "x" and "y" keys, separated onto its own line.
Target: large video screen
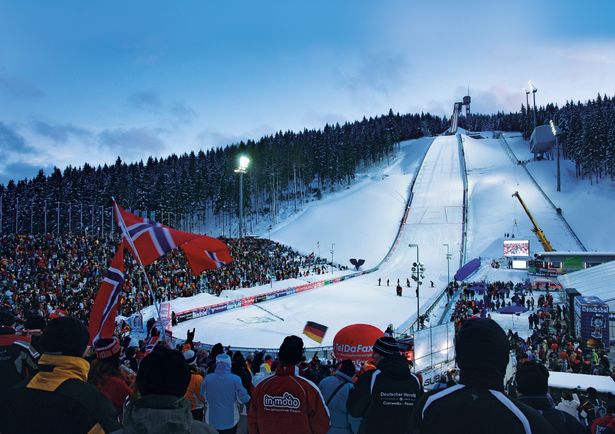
{"x": 516, "y": 248}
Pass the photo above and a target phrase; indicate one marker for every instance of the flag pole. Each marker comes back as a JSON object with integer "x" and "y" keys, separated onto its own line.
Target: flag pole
{"x": 136, "y": 254}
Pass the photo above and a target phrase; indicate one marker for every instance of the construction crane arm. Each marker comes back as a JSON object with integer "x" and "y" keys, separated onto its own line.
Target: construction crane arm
{"x": 539, "y": 233}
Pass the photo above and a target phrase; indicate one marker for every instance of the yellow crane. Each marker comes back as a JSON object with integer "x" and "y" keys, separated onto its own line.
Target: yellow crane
{"x": 539, "y": 233}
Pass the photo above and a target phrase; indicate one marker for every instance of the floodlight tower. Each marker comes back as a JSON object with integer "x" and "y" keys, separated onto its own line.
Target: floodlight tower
{"x": 244, "y": 162}
{"x": 534, "y": 89}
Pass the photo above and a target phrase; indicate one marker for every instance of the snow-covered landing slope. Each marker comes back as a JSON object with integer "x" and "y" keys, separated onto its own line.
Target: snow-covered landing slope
{"x": 361, "y": 221}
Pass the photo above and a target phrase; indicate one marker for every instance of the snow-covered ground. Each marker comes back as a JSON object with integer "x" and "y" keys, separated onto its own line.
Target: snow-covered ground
{"x": 362, "y": 222}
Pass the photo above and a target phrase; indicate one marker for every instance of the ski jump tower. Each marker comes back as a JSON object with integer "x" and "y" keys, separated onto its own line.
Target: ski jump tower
{"x": 457, "y": 107}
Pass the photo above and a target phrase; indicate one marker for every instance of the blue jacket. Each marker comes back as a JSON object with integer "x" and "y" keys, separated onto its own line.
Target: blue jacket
{"x": 222, "y": 390}
{"x": 340, "y": 421}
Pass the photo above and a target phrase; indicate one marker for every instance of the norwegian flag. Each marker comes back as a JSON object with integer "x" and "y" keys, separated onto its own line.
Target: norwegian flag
{"x": 150, "y": 343}
{"x": 151, "y": 240}
{"x": 104, "y": 311}
{"x": 206, "y": 253}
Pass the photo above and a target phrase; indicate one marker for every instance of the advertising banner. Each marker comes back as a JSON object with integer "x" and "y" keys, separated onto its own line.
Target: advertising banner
{"x": 516, "y": 248}
{"x": 355, "y": 342}
{"x": 591, "y": 322}
{"x": 165, "y": 316}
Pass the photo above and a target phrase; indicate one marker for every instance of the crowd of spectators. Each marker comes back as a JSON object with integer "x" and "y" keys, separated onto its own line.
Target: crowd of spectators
{"x": 549, "y": 340}
{"x": 59, "y": 276}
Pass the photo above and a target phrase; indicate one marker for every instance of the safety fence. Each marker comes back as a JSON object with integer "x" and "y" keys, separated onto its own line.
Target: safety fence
{"x": 464, "y": 178}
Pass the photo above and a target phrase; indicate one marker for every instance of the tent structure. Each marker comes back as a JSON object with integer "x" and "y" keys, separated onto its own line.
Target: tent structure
{"x": 514, "y": 309}
{"x": 598, "y": 281}
{"x": 566, "y": 380}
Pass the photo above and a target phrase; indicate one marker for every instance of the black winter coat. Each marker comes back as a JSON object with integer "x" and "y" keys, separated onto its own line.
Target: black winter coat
{"x": 463, "y": 409}
{"x": 563, "y": 422}
{"x": 385, "y": 397}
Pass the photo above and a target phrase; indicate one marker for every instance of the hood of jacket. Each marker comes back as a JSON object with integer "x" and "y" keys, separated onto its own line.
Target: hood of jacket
{"x": 537, "y": 402}
{"x": 56, "y": 369}
{"x": 223, "y": 364}
{"x": 395, "y": 366}
{"x": 158, "y": 414}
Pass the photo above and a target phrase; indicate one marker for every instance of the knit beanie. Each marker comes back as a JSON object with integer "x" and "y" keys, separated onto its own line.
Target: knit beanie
{"x": 291, "y": 350}
{"x": 482, "y": 345}
{"x": 386, "y": 346}
{"x": 223, "y": 359}
{"x": 106, "y": 348}
{"x": 7, "y": 319}
{"x": 35, "y": 322}
{"x": 532, "y": 378}
{"x": 347, "y": 367}
{"x": 217, "y": 349}
{"x": 163, "y": 372}
{"x": 66, "y": 336}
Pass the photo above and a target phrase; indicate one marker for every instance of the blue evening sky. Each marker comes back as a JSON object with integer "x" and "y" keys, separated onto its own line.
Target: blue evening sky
{"x": 84, "y": 81}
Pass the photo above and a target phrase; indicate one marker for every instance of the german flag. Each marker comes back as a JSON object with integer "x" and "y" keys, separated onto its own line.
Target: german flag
{"x": 315, "y": 331}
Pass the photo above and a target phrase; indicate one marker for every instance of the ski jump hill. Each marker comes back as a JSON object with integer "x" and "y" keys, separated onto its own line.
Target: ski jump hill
{"x": 449, "y": 193}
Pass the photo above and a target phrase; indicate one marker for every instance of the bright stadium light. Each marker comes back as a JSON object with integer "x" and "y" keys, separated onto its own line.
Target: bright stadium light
{"x": 244, "y": 162}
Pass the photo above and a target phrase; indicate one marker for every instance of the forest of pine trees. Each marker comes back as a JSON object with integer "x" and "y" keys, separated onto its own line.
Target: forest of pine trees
{"x": 288, "y": 167}
{"x": 587, "y": 132}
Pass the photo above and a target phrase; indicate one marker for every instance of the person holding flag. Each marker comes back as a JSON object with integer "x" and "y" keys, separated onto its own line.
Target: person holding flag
{"x": 148, "y": 241}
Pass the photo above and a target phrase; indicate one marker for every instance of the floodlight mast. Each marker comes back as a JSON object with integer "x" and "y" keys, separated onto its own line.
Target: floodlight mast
{"x": 244, "y": 162}
{"x": 554, "y": 131}
{"x": 534, "y": 89}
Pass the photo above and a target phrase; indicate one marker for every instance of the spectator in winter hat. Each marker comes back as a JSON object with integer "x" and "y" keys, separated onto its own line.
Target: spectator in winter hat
{"x": 335, "y": 389}
{"x": 35, "y": 324}
{"x": 193, "y": 393}
{"x": 211, "y": 359}
{"x": 162, "y": 381}
{"x": 223, "y": 390}
{"x": 286, "y": 402}
{"x": 532, "y": 384}
{"x": 478, "y": 404}
{"x": 106, "y": 375}
{"x": 64, "y": 402}
{"x": 396, "y": 388}
{"x": 17, "y": 355}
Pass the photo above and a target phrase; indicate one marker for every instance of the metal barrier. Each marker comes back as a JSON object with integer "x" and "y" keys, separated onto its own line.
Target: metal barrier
{"x": 464, "y": 178}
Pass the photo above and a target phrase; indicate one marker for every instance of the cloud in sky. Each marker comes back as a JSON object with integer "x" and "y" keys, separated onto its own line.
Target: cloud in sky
{"x": 59, "y": 132}
{"x": 19, "y": 88}
{"x": 151, "y": 102}
{"x": 90, "y": 85}
{"x": 132, "y": 141}
{"x": 380, "y": 73}
{"x": 11, "y": 140}
{"x": 145, "y": 100}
